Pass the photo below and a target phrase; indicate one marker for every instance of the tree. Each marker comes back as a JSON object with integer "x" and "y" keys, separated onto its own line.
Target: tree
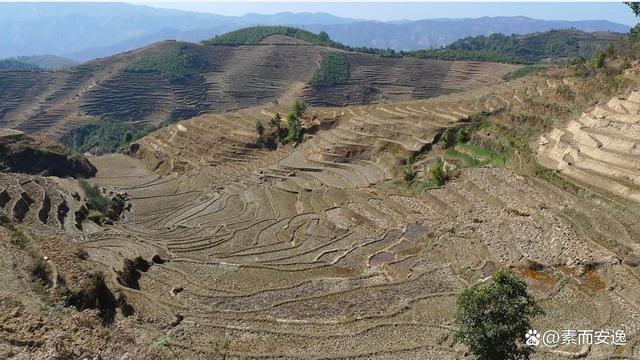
{"x": 635, "y": 7}
{"x": 494, "y": 316}
{"x": 634, "y": 33}
{"x": 294, "y": 129}
{"x": 298, "y": 108}
{"x": 324, "y": 37}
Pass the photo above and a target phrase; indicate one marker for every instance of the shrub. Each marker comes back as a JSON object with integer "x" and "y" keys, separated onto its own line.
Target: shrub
{"x": 462, "y": 135}
{"x": 275, "y": 121}
{"x": 409, "y": 174}
{"x": 259, "y": 129}
{"x": 479, "y": 121}
{"x": 41, "y": 272}
{"x": 95, "y": 294}
{"x": 582, "y": 70}
{"x": 95, "y": 200}
{"x": 438, "y": 176}
{"x": 448, "y": 138}
{"x": 598, "y": 60}
{"x": 334, "y": 70}
{"x": 493, "y": 317}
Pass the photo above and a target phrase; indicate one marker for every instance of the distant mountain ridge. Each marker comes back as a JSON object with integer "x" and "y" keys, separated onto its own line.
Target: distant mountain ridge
{"x": 110, "y": 28}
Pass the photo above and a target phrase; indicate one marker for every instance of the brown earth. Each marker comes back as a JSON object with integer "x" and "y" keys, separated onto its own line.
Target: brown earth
{"x": 52, "y": 103}
{"x": 320, "y": 250}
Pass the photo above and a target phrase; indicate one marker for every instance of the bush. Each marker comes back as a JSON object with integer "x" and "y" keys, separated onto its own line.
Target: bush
{"x": 334, "y": 70}
{"x": 493, "y": 317}
{"x": 448, "y": 138}
{"x": 479, "y": 121}
{"x": 409, "y": 174}
{"x": 598, "y": 60}
{"x": 95, "y": 294}
{"x": 438, "y": 176}
{"x": 275, "y": 121}
{"x": 95, "y": 200}
{"x": 41, "y": 272}
{"x": 462, "y": 135}
{"x": 259, "y": 129}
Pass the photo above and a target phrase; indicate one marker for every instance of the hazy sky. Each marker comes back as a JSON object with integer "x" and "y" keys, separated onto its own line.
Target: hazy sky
{"x": 612, "y": 11}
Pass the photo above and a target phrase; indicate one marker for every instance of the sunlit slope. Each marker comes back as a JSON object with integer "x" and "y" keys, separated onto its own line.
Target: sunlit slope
{"x": 170, "y": 81}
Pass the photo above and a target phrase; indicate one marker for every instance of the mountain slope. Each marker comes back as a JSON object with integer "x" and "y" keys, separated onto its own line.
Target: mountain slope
{"x": 555, "y": 44}
{"x": 171, "y": 80}
{"x": 435, "y": 33}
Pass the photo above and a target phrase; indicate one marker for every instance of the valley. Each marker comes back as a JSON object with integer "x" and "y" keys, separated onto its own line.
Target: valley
{"x": 209, "y": 238}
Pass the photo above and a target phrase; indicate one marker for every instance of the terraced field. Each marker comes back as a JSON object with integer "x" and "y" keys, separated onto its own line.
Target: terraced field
{"x": 234, "y": 249}
{"x": 313, "y": 252}
{"x": 236, "y": 77}
{"x": 600, "y": 148}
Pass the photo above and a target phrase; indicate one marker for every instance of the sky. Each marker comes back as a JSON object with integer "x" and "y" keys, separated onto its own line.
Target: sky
{"x": 392, "y": 11}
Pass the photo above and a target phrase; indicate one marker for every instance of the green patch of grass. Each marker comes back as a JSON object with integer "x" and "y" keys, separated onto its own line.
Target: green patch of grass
{"x": 553, "y": 177}
{"x": 473, "y": 155}
{"x": 488, "y": 156}
{"x": 334, "y": 70}
{"x": 466, "y": 159}
{"x": 524, "y": 71}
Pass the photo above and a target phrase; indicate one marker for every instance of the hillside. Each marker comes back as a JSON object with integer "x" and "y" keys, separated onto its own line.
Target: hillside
{"x": 551, "y": 45}
{"x": 15, "y": 64}
{"x": 169, "y": 81}
{"x": 252, "y": 226}
{"x": 254, "y": 35}
{"x": 48, "y": 62}
{"x": 324, "y": 249}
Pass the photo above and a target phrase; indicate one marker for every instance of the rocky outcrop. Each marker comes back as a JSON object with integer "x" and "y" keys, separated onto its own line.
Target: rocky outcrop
{"x": 29, "y": 155}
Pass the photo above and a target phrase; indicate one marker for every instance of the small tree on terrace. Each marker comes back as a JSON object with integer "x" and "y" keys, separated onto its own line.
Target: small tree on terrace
{"x": 493, "y": 318}
{"x": 294, "y": 129}
{"x": 298, "y": 108}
